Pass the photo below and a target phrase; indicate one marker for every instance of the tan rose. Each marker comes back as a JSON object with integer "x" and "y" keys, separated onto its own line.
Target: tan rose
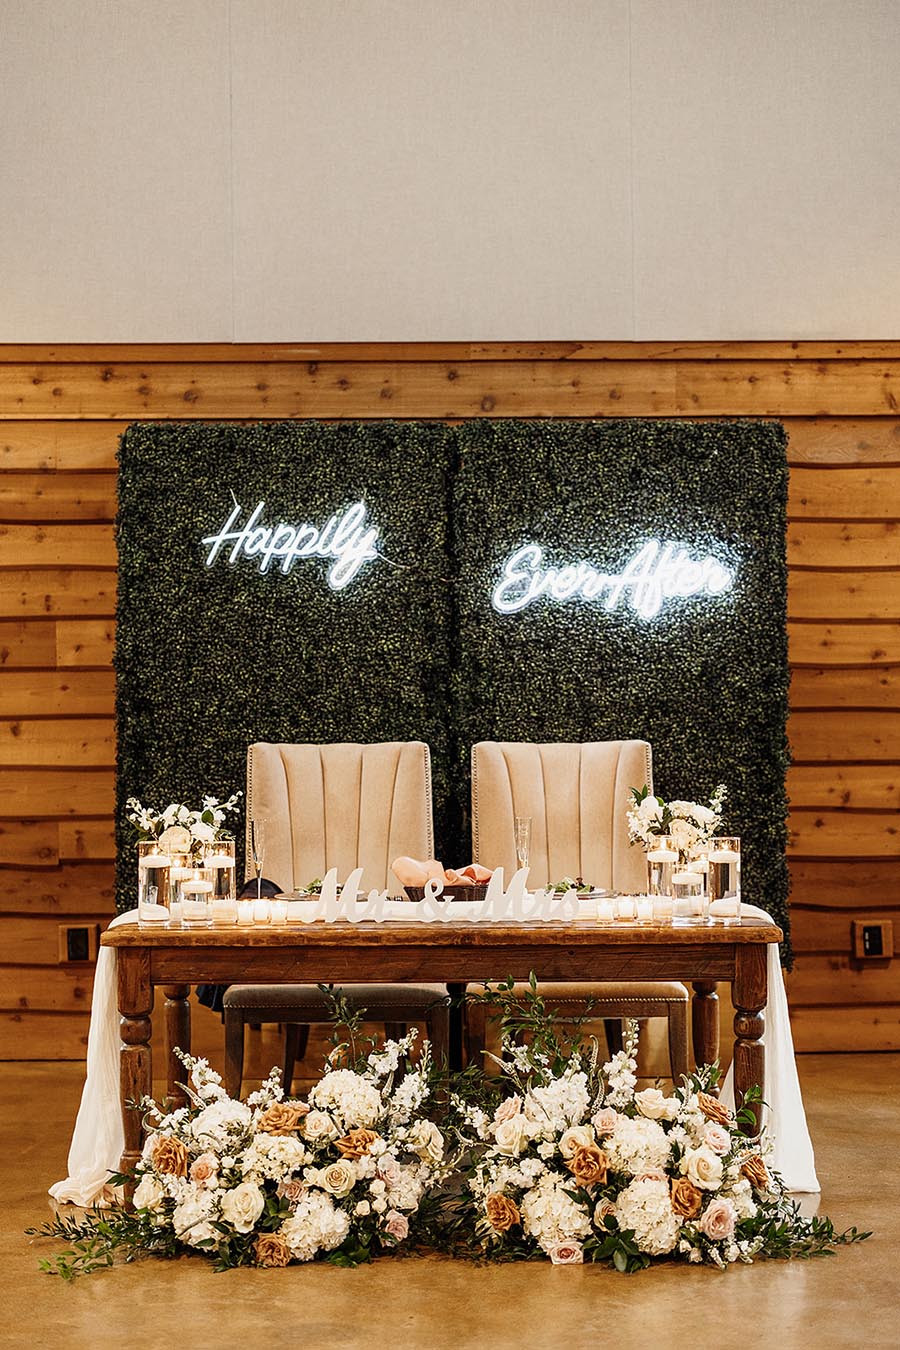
{"x": 356, "y": 1143}
{"x": 686, "y": 1199}
{"x": 502, "y": 1213}
{"x": 280, "y": 1118}
{"x": 292, "y": 1190}
{"x": 713, "y": 1109}
{"x": 271, "y": 1250}
{"x": 589, "y": 1165}
{"x": 170, "y": 1155}
{"x": 754, "y": 1169}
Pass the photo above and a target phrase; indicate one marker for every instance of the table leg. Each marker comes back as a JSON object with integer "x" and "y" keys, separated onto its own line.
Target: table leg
{"x": 749, "y": 992}
{"x": 178, "y": 1032}
{"x": 705, "y": 1022}
{"x": 135, "y": 993}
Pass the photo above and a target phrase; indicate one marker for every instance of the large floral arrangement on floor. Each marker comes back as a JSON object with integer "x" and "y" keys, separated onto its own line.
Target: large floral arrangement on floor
{"x": 688, "y": 823}
{"x": 269, "y": 1180}
{"x": 576, "y": 1164}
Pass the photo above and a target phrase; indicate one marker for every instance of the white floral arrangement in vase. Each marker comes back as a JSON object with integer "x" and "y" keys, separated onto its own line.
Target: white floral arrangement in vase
{"x": 179, "y": 829}
{"x": 688, "y": 824}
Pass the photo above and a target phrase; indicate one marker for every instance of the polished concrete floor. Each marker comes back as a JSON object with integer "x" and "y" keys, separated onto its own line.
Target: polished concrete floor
{"x": 851, "y": 1299}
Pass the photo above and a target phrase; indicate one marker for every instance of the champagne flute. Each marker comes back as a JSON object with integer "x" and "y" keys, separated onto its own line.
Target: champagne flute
{"x": 257, "y": 841}
{"x": 522, "y": 829}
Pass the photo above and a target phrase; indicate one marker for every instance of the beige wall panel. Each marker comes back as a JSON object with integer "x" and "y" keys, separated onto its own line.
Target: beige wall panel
{"x": 766, "y": 183}
{"x": 114, "y": 171}
{"x": 431, "y": 170}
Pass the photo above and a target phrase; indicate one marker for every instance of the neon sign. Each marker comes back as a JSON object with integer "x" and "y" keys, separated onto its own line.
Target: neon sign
{"x": 344, "y": 538}
{"x": 656, "y": 573}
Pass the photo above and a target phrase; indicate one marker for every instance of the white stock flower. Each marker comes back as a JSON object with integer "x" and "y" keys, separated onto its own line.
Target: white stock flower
{"x": 242, "y": 1206}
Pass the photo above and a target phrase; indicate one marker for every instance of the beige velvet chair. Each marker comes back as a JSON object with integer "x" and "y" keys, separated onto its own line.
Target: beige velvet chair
{"x": 576, "y": 795}
{"x": 342, "y": 806}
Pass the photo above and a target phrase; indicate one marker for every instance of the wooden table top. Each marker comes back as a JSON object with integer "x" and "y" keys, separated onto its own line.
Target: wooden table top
{"x": 579, "y": 932}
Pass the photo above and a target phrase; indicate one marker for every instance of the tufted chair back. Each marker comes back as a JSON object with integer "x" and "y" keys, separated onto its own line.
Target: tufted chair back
{"x": 576, "y": 795}
{"x": 342, "y": 806}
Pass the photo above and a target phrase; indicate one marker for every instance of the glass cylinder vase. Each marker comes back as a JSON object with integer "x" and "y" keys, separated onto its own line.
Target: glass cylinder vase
{"x": 689, "y": 889}
{"x": 662, "y": 861}
{"x": 725, "y": 879}
{"x": 153, "y": 884}
{"x": 195, "y": 888}
{"x": 218, "y": 859}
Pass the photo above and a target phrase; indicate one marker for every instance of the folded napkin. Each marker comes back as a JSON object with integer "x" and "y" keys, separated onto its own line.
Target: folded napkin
{"x": 412, "y": 872}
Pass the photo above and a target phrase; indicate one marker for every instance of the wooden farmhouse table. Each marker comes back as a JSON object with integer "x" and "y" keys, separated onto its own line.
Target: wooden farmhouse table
{"x": 451, "y": 953}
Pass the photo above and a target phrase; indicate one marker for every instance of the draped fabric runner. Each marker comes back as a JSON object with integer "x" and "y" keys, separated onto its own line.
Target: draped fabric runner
{"x": 98, "y": 1138}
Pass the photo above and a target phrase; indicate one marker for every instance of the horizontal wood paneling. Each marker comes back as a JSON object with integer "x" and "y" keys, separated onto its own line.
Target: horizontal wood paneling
{"x": 32, "y": 941}
{"x": 826, "y": 930}
{"x": 44, "y": 989}
{"x": 821, "y": 980}
{"x": 58, "y": 440}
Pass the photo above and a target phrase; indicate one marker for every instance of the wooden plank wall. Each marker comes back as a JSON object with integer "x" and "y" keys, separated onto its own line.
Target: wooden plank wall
{"x": 62, "y": 410}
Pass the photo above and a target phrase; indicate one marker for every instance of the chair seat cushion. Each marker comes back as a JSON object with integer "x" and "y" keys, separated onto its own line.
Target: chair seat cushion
{"x": 598, "y": 994}
{"x": 396, "y": 1002}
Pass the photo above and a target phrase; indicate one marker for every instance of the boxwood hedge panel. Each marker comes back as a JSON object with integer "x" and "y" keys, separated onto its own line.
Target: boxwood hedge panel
{"x": 209, "y": 659}
{"x": 706, "y": 680}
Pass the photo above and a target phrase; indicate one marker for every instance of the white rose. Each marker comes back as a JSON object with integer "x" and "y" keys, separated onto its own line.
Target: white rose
{"x": 426, "y": 1140}
{"x": 203, "y": 832}
{"x": 243, "y": 1206}
{"x": 149, "y": 1194}
{"x": 655, "y": 1105}
{"x": 510, "y": 1135}
{"x": 703, "y": 1168}
{"x": 379, "y": 1206}
{"x": 574, "y": 1138}
{"x": 338, "y": 1178}
{"x": 176, "y": 839}
{"x": 318, "y": 1127}
{"x": 363, "y": 1208}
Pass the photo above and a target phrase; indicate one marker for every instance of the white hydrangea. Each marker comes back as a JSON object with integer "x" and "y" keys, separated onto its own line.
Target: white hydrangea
{"x": 741, "y": 1196}
{"x": 220, "y": 1123}
{"x": 637, "y": 1146}
{"x": 550, "y": 1215}
{"x": 193, "y": 1214}
{"x": 348, "y": 1096}
{"x": 316, "y": 1224}
{"x": 273, "y": 1156}
{"x": 645, "y": 1209}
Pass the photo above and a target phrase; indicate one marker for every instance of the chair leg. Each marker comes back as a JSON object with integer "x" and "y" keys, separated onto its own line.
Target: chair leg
{"x": 438, "y": 1025}
{"x": 475, "y": 1033}
{"x": 296, "y": 1039}
{"x": 234, "y": 1052}
{"x": 395, "y": 1031}
{"x": 678, "y": 1041}
{"x": 613, "y": 1028}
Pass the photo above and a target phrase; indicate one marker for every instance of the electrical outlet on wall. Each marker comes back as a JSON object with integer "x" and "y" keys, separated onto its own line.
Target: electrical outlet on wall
{"x": 78, "y": 942}
{"x": 873, "y": 939}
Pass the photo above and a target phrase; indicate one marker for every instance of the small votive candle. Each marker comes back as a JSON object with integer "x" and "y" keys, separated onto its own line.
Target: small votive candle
{"x": 279, "y": 911}
{"x": 606, "y": 912}
{"x": 663, "y": 909}
{"x": 644, "y": 905}
{"x": 625, "y": 908}
{"x": 245, "y": 911}
{"x": 224, "y": 912}
{"x": 262, "y": 911}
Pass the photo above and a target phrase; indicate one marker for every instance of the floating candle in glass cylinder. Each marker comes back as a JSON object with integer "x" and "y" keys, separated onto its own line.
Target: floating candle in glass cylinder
{"x": 725, "y": 879}
{"x": 662, "y": 860}
{"x": 196, "y": 892}
{"x": 689, "y": 893}
{"x": 153, "y": 884}
{"x": 219, "y": 861}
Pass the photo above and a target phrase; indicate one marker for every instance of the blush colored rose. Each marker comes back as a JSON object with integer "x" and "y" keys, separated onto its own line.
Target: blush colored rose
{"x": 589, "y": 1165}
{"x": 502, "y": 1213}
{"x": 605, "y": 1209}
{"x": 509, "y": 1107}
{"x": 318, "y": 1127}
{"x": 204, "y": 1168}
{"x": 510, "y": 1135}
{"x": 718, "y": 1220}
{"x": 686, "y": 1199}
{"x": 271, "y": 1250}
{"x": 605, "y": 1120}
{"x": 652, "y": 1174}
{"x": 574, "y": 1138}
{"x": 566, "y": 1254}
{"x": 390, "y": 1172}
{"x": 713, "y": 1109}
{"x": 170, "y": 1156}
{"x": 292, "y": 1190}
{"x": 396, "y": 1225}
{"x": 356, "y": 1143}
{"x": 655, "y": 1105}
{"x": 716, "y": 1138}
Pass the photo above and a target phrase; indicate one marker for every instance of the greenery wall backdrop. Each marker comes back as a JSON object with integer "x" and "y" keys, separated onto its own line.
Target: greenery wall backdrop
{"x": 209, "y": 659}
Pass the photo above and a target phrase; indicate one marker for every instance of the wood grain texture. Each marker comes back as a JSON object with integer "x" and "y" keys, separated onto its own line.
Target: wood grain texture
{"x": 31, "y": 941}
{"x": 27, "y": 643}
{"x": 836, "y": 687}
{"x": 833, "y": 594}
{"x": 845, "y": 644}
{"x": 59, "y": 446}
{"x": 56, "y": 546}
{"x": 25, "y": 988}
{"x": 871, "y": 493}
{"x": 85, "y": 642}
{"x": 845, "y": 1027}
{"x": 87, "y": 841}
{"x": 853, "y": 545}
{"x": 26, "y": 1034}
{"x": 53, "y": 693}
{"x": 843, "y": 440}
{"x": 822, "y": 980}
{"x": 28, "y": 843}
{"x": 58, "y": 496}
{"x": 825, "y": 736}
{"x": 57, "y": 792}
{"x": 860, "y": 787}
{"x": 843, "y": 834}
{"x": 852, "y": 884}
{"x": 56, "y": 591}
{"x": 818, "y": 931}
{"x": 61, "y": 742}
{"x": 70, "y": 888}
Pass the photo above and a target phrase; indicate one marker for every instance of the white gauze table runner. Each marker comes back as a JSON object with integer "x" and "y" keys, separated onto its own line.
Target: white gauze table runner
{"x": 98, "y": 1138}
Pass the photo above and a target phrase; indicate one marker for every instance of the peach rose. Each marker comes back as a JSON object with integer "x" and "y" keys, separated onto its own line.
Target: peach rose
{"x": 502, "y": 1213}
{"x": 756, "y": 1172}
{"x": 204, "y": 1168}
{"x": 604, "y": 1121}
{"x": 271, "y": 1250}
{"x": 566, "y": 1254}
{"x": 589, "y": 1165}
{"x": 717, "y": 1138}
{"x": 279, "y": 1118}
{"x": 509, "y": 1107}
{"x": 686, "y": 1199}
{"x": 396, "y": 1225}
{"x": 356, "y": 1143}
{"x": 718, "y": 1220}
{"x": 604, "y": 1210}
{"x": 713, "y": 1109}
{"x": 292, "y": 1190}
{"x": 652, "y": 1174}
{"x": 171, "y": 1156}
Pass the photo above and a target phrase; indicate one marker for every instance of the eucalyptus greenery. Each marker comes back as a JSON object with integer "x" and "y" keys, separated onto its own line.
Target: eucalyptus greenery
{"x": 211, "y": 659}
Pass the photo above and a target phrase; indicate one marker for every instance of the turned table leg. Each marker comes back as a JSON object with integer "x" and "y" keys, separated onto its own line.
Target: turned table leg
{"x": 749, "y": 992}
{"x": 178, "y": 1032}
{"x": 705, "y": 1022}
{"x": 135, "y": 1068}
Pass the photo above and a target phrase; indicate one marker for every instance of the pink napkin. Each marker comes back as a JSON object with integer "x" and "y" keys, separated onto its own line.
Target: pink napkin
{"x": 412, "y": 872}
